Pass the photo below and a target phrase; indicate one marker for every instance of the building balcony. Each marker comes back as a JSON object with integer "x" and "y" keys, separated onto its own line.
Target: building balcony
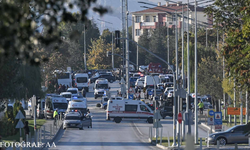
{"x": 148, "y": 25}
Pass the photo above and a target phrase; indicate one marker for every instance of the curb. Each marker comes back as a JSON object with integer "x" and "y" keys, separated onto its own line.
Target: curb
{"x": 207, "y": 127}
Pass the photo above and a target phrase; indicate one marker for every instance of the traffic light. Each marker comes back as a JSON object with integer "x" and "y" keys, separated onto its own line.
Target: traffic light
{"x": 117, "y": 38}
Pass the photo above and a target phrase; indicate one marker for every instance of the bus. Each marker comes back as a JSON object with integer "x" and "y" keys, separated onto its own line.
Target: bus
{"x": 64, "y": 78}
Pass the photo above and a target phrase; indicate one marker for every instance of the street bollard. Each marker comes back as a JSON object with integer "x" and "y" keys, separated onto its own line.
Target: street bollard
{"x": 40, "y": 134}
{"x": 168, "y": 140}
{"x": 207, "y": 138}
{"x": 27, "y": 138}
{"x": 161, "y": 136}
{"x": 30, "y": 140}
{"x": 236, "y": 146}
{"x": 14, "y": 147}
{"x": 37, "y": 136}
{"x": 249, "y": 141}
{"x": 200, "y": 143}
{"x": 57, "y": 121}
{"x": 218, "y": 145}
{"x": 51, "y": 130}
{"x": 149, "y": 133}
{"x": 21, "y": 140}
{"x": 44, "y": 133}
{"x": 61, "y": 116}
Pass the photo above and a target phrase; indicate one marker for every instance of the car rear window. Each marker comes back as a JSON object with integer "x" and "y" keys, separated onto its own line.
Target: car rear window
{"x": 81, "y": 80}
{"x": 72, "y": 118}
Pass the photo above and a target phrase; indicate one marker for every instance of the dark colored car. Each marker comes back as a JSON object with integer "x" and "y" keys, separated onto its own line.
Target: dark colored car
{"x": 132, "y": 81}
{"x": 109, "y": 77}
{"x": 166, "y": 111}
{"x": 233, "y": 135}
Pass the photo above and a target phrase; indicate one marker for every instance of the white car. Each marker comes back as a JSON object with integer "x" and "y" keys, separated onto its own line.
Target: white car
{"x": 74, "y": 91}
{"x": 139, "y": 83}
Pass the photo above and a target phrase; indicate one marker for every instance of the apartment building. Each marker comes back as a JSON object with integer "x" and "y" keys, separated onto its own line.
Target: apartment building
{"x": 164, "y": 15}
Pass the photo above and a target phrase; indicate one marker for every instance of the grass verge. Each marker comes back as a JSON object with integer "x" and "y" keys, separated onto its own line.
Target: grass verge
{"x": 16, "y": 137}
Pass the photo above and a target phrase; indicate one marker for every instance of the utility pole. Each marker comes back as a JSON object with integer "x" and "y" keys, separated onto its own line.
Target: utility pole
{"x": 234, "y": 102}
{"x": 176, "y": 71}
{"x": 195, "y": 79}
{"x": 182, "y": 57}
{"x": 182, "y": 65}
{"x": 85, "y": 63}
{"x": 113, "y": 59}
{"x": 137, "y": 57}
{"x": 246, "y": 107}
{"x": 224, "y": 95}
{"x": 127, "y": 48}
{"x": 168, "y": 40}
{"x": 188, "y": 70}
{"x": 241, "y": 109}
{"x": 206, "y": 37}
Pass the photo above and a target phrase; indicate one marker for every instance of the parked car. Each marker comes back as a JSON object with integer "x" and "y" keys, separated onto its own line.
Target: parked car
{"x": 166, "y": 111}
{"x": 233, "y": 135}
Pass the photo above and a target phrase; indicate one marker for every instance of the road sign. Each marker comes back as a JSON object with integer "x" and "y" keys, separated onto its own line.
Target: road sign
{"x": 19, "y": 115}
{"x": 235, "y": 111}
{"x": 210, "y": 121}
{"x": 210, "y": 113}
{"x": 131, "y": 96}
{"x": 179, "y": 118}
{"x": 150, "y": 93}
{"x": 217, "y": 118}
{"x": 218, "y": 127}
{"x": 20, "y": 124}
{"x": 137, "y": 94}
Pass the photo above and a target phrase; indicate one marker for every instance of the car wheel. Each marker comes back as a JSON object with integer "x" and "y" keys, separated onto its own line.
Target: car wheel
{"x": 111, "y": 81}
{"x": 105, "y": 107}
{"x": 117, "y": 119}
{"x": 150, "y": 120}
{"x": 222, "y": 141}
{"x": 95, "y": 97}
{"x": 64, "y": 128}
{"x": 88, "y": 126}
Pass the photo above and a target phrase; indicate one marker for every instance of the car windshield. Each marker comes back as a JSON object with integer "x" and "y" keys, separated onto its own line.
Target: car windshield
{"x": 72, "y": 118}
{"x": 67, "y": 95}
{"x": 81, "y": 80}
{"x": 101, "y": 86}
{"x": 60, "y": 105}
{"x": 72, "y": 91}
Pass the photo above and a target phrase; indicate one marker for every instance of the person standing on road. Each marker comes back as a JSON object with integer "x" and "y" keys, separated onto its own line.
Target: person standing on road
{"x": 55, "y": 115}
{"x": 201, "y": 107}
{"x": 83, "y": 92}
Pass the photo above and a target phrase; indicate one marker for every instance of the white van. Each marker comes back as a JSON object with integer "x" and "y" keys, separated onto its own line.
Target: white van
{"x": 53, "y": 102}
{"x": 128, "y": 109}
{"x": 101, "y": 88}
{"x": 77, "y": 105}
{"x": 81, "y": 81}
{"x": 149, "y": 81}
{"x": 40, "y": 108}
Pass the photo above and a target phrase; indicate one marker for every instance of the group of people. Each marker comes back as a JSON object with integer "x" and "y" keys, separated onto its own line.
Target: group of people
{"x": 62, "y": 88}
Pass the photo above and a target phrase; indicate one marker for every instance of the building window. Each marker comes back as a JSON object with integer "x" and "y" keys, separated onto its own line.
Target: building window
{"x": 147, "y": 19}
{"x": 154, "y": 18}
{"x": 138, "y": 19}
{"x": 137, "y": 32}
{"x": 173, "y": 18}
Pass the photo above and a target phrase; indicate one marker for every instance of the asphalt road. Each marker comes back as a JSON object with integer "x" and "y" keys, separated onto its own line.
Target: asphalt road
{"x": 104, "y": 134}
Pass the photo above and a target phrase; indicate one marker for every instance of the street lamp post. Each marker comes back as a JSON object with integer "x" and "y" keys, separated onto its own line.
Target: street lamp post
{"x": 127, "y": 48}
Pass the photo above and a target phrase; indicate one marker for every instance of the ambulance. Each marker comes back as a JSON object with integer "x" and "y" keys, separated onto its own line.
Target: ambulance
{"x": 77, "y": 105}
{"x": 128, "y": 109}
{"x": 54, "y": 102}
{"x": 101, "y": 88}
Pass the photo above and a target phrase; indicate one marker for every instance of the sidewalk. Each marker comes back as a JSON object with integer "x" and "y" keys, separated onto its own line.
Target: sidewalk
{"x": 46, "y": 134}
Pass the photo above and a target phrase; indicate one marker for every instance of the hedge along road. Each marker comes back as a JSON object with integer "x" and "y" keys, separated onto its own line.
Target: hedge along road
{"x": 105, "y": 135}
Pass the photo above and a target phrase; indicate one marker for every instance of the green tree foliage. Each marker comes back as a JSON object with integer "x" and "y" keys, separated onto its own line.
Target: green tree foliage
{"x": 144, "y": 41}
{"x": 232, "y": 17}
{"x": 210, "y": 77}
{"x": 18, "y": 24}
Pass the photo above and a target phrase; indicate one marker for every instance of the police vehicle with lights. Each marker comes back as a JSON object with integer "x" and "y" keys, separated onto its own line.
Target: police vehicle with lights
{"x": 73, "y": 120}
{"x": 119, "y": 109}
{"x": 101, "y": 88}
{"x": 54, "y": 102}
